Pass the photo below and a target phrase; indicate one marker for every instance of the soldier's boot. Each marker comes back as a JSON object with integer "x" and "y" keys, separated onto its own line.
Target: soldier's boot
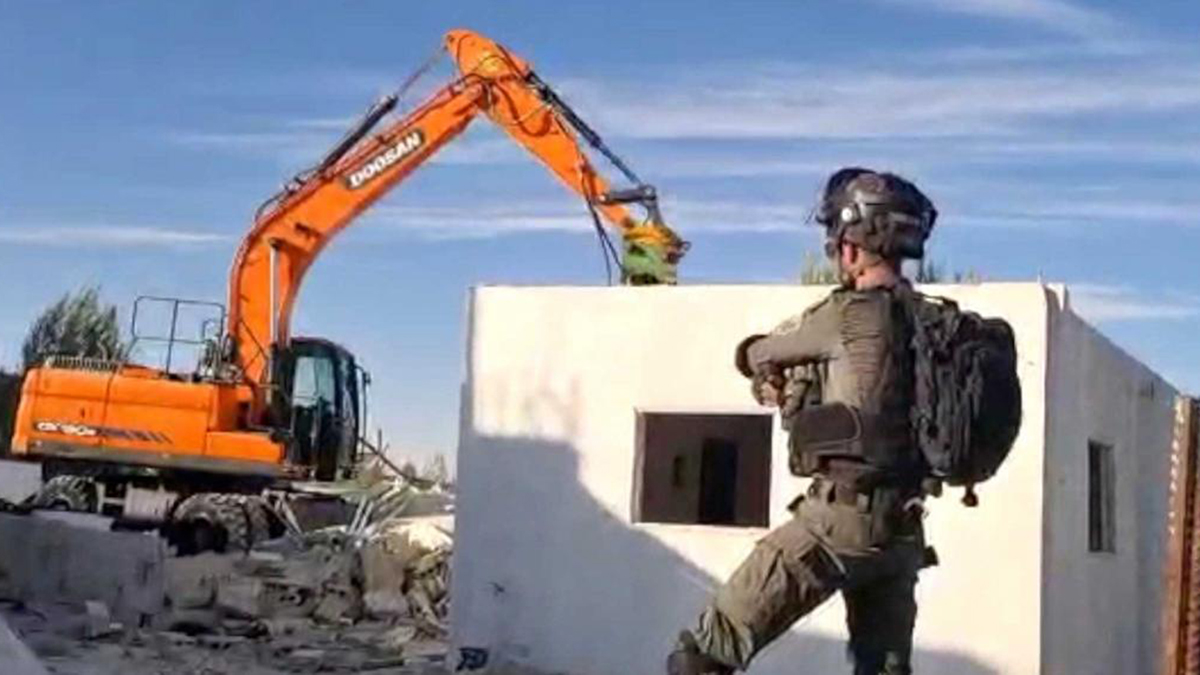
{"x": 687, "y": 659}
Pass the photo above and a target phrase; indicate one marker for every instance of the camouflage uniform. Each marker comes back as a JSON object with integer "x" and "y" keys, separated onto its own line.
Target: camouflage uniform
{"x": 858, "y": 528}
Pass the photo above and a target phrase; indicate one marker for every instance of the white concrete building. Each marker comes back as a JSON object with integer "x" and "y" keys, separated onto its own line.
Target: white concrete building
{"x": 602, "y": 426}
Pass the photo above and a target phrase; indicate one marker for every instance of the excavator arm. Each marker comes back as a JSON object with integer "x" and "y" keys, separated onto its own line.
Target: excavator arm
{"x": 291, "y": 230}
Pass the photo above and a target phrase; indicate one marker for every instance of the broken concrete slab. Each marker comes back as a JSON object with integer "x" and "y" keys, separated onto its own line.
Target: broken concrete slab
{"x": 383, "y": 582}
{"x": 44, "y": 560}
{"x": 243, "y": 598}
{"x": 192, "y": 582}
{"x": 405, "y": 569}
{"x": 338, "y": 604}
{"x": 411, "y": 538}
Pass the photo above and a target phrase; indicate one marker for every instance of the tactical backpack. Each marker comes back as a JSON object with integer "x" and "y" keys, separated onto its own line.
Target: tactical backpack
{"x": 967, "y": 404}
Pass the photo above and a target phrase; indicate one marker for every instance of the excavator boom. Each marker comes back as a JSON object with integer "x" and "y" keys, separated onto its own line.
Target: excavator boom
{"x": 265, "y": 408}
{"x": 285, "y": 239}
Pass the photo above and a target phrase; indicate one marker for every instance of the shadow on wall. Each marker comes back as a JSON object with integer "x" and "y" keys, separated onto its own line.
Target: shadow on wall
{"x": 546, "y": 575}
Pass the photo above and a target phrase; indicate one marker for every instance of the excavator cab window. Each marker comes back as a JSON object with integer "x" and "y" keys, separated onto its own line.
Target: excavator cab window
{"x": 324, "y": 407}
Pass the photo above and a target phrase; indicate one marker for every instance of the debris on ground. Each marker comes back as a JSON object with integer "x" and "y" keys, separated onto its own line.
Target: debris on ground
{"x": 369, "y": 594}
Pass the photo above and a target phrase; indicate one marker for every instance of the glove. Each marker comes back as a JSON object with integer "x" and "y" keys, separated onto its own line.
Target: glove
{"x": 741, "y": 358}
{"x": 795, "y": 393}
{"x": 767, "y": 388}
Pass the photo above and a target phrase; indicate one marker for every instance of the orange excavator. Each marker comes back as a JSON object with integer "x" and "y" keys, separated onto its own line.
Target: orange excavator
{"x": 264, "y": 410}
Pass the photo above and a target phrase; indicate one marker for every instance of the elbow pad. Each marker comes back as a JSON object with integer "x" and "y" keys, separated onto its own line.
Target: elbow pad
{"x": 741, "y": 358}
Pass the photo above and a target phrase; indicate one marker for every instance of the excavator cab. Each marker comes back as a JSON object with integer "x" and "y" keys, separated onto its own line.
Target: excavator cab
{"x": 320, "y": 406}
{"x": 318, "y": 391}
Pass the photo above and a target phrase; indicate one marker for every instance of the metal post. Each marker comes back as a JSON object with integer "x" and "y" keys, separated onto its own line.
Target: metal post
{"x": 171, "y": 339}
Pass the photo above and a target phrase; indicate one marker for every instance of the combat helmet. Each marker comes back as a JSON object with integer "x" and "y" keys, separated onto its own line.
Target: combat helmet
{"x": 881, "y": 212}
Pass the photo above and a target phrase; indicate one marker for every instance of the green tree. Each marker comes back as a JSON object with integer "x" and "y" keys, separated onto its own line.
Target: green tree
{"x": 78, "y": 324}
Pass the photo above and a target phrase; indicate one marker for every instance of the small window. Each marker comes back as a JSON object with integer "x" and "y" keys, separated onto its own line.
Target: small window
{"x": 1102, "y": 530}
{"x": 703, "y": 469}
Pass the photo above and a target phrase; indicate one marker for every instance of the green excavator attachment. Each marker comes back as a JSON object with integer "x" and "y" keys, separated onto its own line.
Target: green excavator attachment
{"x": 648, "y": 264}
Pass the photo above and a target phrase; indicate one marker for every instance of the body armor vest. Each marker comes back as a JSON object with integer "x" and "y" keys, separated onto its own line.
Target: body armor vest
{"x": 853, "y": 422}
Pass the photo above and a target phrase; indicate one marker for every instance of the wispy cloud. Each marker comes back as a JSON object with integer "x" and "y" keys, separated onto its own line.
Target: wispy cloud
{"x": 778, "y": 101}
{"x": 1051, "y": 213}
{"x": 955, "y": 156}
{"x": 982, "y": 115}
{"x": 1069, "y": 52}
{"x": 321, "y": 123}
{"x": 475, "y": 221}
{"x": 294, "y": 147}
{"x": 1057, "y": 15}
{"x": 1183, "y": 150}
{"x": 1108, "y": 303}
{"x": 734, "y": 165}
{"x": 304, "y": 141}
{"x": 465, "y": 222}
{"x": 106, "y": 236}
{"x": 983, "y": 104}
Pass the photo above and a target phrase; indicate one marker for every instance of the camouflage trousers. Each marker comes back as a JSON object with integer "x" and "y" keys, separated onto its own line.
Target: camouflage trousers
{"x": 828, "y": 547}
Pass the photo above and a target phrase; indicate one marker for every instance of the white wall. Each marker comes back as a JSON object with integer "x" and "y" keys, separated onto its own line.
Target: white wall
{"x": 550, "y": 571}
{"x": 1102, "y": 610}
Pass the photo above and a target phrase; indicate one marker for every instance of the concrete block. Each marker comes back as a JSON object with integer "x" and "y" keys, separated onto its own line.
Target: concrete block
{"x": 192, "y": 581}
{"x": 19, "y": 480}
{"x": 338, "y": 604}
{"x": 44, "y": 560}
{"x": 242, "y": 598}
{"x": 383, "y": 580}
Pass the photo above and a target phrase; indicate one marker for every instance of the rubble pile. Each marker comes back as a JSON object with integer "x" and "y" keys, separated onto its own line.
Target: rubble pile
{"x": 347, "y": 597}
{"x": 400, "y": 572}
{"x": 368, "y": 595}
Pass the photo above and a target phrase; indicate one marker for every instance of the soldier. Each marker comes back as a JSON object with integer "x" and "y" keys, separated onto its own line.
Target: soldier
{"x": 842, "y": 377}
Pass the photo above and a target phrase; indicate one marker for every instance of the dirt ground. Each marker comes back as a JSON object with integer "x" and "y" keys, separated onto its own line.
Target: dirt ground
{"x": 58, "y": 638}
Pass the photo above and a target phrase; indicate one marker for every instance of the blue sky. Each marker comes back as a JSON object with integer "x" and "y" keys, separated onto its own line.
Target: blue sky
{"x": 1059, "y": 139}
